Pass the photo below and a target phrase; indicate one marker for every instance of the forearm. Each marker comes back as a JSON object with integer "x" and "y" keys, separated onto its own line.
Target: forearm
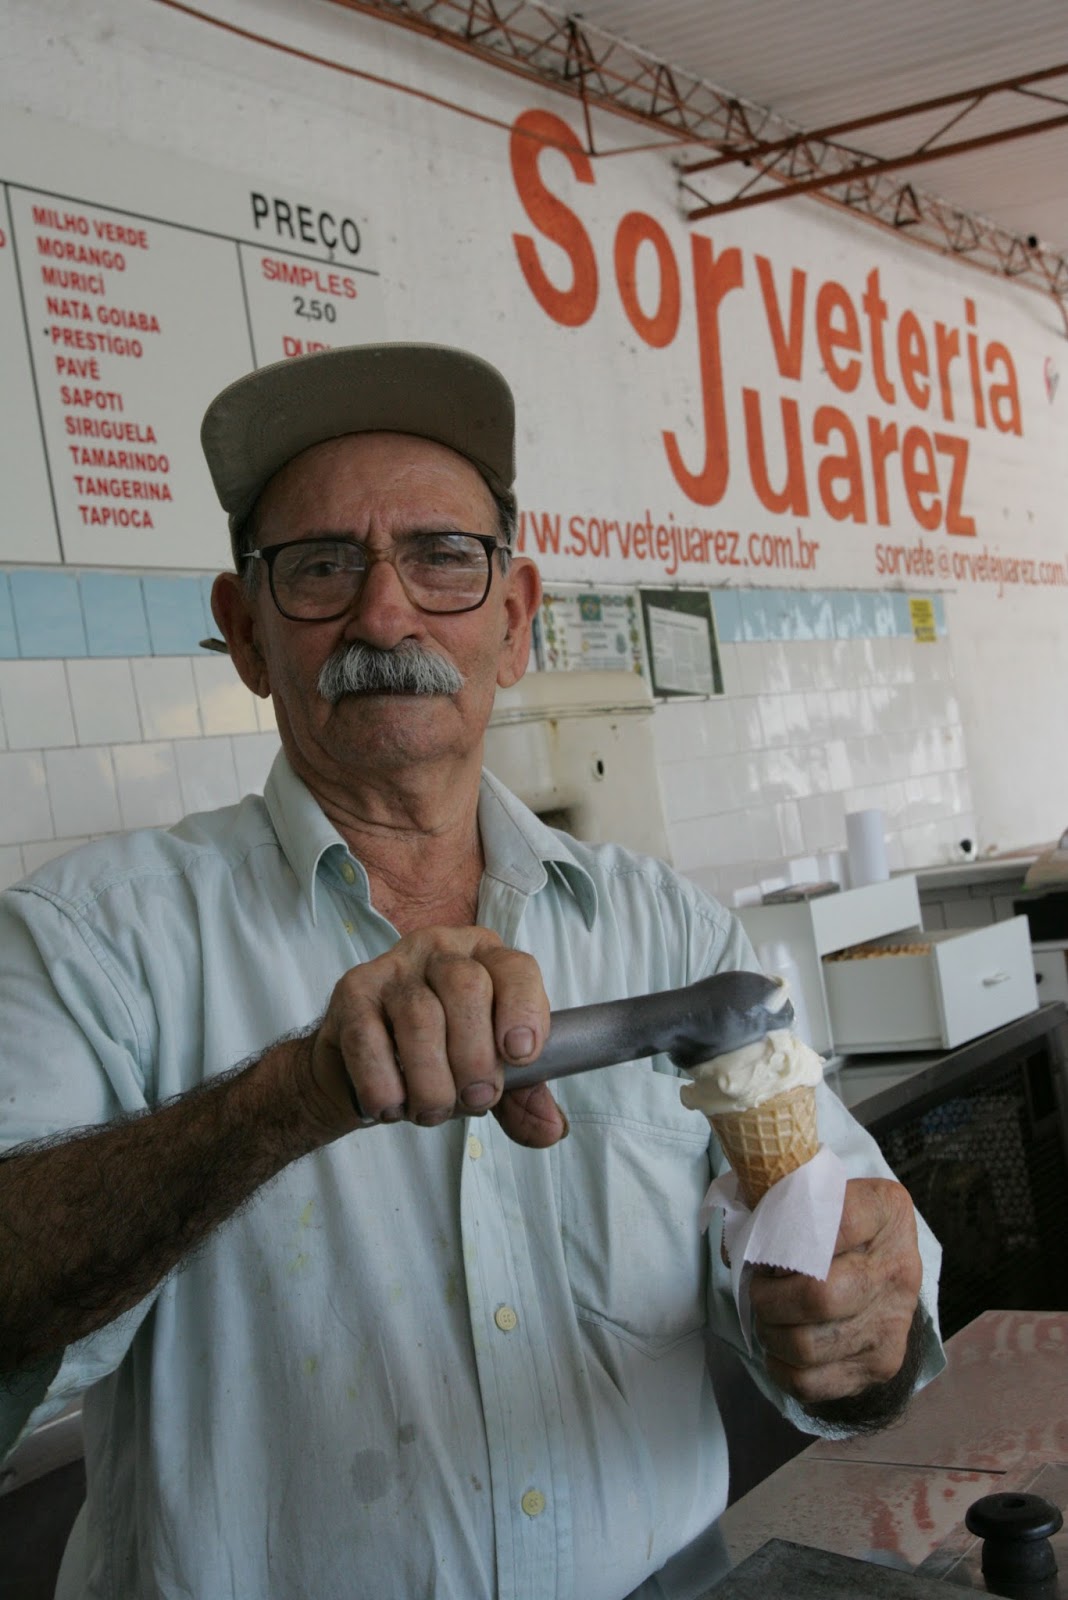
{"x": 90, "y": 1223}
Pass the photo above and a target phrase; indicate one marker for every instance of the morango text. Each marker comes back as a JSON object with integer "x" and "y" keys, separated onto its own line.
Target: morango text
{"x": 848, "y": 463}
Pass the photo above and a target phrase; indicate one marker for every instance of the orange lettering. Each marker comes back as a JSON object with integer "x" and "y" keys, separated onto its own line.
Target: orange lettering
{"x": 845, "y": 468}
{"x": 832, "y": 336}
{"x": 1009, "y": 392}
{"x": 957, "y": 451}
{"x": 973, "y": 365}
{"x": 947, "y": 346}
{"x": 875, "y": 308}
{"x": 912, "y": 359}
{"x": 532, "y": 133}
{"x": 635, "y": 229}
{"x": 920, "y": 478}
{"x": 793, "y": 496}
{"x": 882, "y": 441}
{"x": 713, "y": 280}
{"x": 787, "y": 351}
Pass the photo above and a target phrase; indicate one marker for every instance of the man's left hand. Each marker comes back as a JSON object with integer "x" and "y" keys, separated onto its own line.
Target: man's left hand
{"x": 828, "y": 1339}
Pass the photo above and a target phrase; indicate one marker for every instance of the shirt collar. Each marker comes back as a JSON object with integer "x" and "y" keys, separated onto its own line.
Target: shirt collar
{"x": 519, "y": 849}
{"x": 302, "y": 828}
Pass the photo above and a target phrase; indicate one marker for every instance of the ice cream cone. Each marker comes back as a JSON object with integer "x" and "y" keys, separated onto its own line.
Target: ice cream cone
{"x": 763, "y": 1143}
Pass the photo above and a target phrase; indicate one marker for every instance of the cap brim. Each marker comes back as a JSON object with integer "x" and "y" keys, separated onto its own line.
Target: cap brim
{"x": 436, "y": 392}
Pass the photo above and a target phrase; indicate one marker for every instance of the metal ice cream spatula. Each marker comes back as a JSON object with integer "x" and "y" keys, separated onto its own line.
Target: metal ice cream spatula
{"x": 691, "y": 1025}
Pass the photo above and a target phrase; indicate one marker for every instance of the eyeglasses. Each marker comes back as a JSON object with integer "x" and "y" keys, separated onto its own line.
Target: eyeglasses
{"x": 317, "y": 580}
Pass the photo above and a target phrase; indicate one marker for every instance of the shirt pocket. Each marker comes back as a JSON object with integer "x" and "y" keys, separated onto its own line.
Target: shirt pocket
{"x": 632, "y": 1175}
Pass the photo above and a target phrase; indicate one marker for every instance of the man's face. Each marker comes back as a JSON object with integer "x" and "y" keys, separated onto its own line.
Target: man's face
{"x": 378, "y": 488}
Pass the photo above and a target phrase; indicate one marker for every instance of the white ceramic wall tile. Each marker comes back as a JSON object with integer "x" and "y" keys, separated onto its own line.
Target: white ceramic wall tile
{"x": 895, "y": 853}
{"x": 765, "y": 833}
{"x": 870, "y": 760}
{"x": 226, "y": 706}
{"x": 11, "y": 868}
{"x": 746, "y": 777}
{"x": 899, "y": 656}
{"x": 35, "y": 855}
{"x": 932, "y": 661}
{"x": 684, "y": 789}
{"x": 748, "y": 727}
{"x": 207, "y": 773}
{"x": 785, "y": 828}
{"x": 894, "y": 802}
{"x": 925, "y": 798}
{"x": 953, "y": 747}
{"x": 712, "y": 841}
{"x": 147, "y": 779}
{"x": 720, "y": 732}
{"x": 166, "y": 697}
{"x": 839, "y": 766}
{"x": 81, "y": 784}
{"x": 708, "y": 879}
{"x": 883, "y": 657}
{"x": 730, "y": 669}
{"x": 678, "y": 730}
{"x": 773, "y": 727}
{"x": 36, "y": 705}
{"x": 24, "y": 788}
{"x": 731, "y": 885}
{"x": 919, "y": 844}
{"x": 803, "y": 662}
{"x": 103, "y": 701}
{"x": 777, "y": 657}
{"x": 754, "y": 670}
{"x": 784, "y": 774}
{"x": 862, "y": 654}
{"x": 824, "y": 664}
{"x": 254, "y": 753}
{"x": 822, "y": 821}
{"x": 957, "y": 788}
{"x": 818, "y": 715}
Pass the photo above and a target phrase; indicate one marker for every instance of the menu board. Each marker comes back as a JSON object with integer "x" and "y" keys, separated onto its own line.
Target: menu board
{"x": 119, "y": 323}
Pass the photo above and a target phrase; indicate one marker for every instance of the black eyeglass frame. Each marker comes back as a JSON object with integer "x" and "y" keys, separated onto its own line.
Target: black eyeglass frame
{"x": 270, "y": 553}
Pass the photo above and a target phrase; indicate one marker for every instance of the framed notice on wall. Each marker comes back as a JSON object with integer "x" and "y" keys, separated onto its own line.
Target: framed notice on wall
{"x": 680, "y": 636}
{"x": 591, "y": 631}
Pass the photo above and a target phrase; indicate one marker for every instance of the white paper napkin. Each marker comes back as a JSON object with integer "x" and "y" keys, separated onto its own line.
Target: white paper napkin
{"x": 794, "y": 1226}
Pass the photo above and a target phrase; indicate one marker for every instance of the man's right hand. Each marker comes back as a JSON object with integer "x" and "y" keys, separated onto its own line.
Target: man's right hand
{"x": 421, "y": 1032}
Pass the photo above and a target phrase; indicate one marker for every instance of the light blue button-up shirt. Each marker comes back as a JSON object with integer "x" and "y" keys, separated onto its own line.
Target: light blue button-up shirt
{"x": 420, "y": 1362}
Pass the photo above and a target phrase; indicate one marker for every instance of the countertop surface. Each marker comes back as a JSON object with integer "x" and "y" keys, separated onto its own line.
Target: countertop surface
{"x": 988, "y": 1423}
{"x": 876, "y": 1086}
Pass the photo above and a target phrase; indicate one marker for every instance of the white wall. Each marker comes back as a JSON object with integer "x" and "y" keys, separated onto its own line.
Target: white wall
{"x": 958, "y": 738}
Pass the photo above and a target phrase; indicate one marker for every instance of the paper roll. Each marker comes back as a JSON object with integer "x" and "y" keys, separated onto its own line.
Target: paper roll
{"x": 866, "y": 847}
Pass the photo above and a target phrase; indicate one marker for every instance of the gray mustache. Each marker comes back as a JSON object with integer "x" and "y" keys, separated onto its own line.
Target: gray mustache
{"x": 407, "y": 669}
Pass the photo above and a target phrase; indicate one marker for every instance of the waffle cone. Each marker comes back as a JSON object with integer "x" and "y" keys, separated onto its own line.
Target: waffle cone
{"x": 764, "y": 1143}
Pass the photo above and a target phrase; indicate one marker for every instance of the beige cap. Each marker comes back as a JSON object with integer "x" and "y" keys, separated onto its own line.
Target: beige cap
{"x": 263, "y": 420}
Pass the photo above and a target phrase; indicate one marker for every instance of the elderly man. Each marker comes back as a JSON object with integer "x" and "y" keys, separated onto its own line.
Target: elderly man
{"x": 340, "y": 1333}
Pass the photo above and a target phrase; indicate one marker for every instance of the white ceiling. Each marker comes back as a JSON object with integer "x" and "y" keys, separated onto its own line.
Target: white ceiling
{"x": 820, "y": 61}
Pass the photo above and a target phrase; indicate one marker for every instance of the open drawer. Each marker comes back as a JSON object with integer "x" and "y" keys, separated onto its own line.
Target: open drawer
{"x": 945, "y": 988}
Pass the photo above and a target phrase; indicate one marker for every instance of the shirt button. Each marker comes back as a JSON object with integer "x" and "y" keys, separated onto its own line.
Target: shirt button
{"x": 474, "y": 1147}
{"x": 505, "y": 1318}
{"x": 348, "y": 872}
{"x": 533, "y": 1502}
{"x": 350, "y": 927}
